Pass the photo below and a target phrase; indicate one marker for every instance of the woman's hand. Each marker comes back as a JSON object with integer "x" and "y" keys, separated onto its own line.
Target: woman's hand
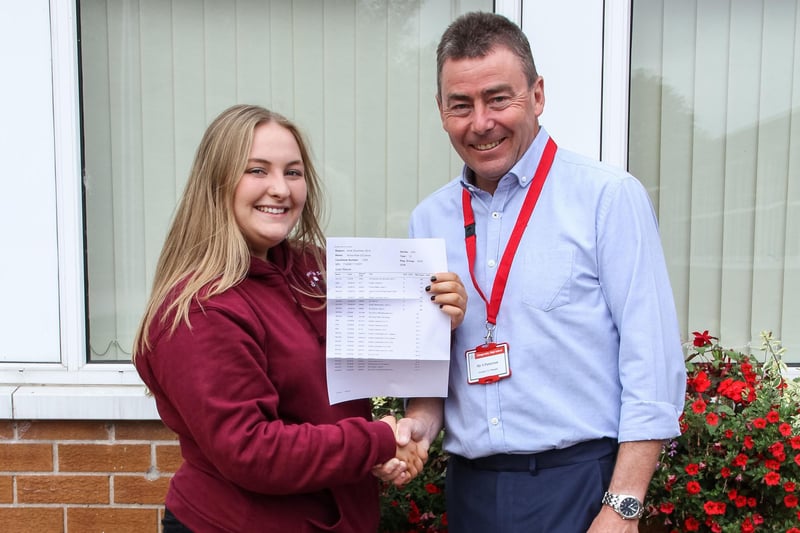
{"x": 449, "y": 293}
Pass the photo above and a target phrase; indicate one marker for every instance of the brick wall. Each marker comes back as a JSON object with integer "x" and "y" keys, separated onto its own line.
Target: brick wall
{"x": 84, "y": 476}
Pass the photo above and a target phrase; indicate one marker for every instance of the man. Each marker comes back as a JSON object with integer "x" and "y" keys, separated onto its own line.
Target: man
{"x": 567, "y": 373}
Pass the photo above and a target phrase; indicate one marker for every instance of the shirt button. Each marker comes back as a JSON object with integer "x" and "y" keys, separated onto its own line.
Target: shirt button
{"x": 495, "y": 214}
{"x": 491, "y": 263}
{"x": 494, "y": 421}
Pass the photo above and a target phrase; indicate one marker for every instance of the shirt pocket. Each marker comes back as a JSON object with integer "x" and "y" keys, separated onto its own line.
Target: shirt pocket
{"x": 548, "y": 278}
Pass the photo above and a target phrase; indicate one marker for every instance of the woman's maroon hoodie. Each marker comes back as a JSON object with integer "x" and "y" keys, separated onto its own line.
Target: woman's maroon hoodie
{"x": 245, "y": 390}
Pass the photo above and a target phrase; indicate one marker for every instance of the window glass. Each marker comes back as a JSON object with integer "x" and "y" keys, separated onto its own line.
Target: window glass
{"x": 357, "y": 76}
{"x": 715, "y": 136}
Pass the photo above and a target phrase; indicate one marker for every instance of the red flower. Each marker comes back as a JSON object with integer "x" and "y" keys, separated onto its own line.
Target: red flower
{"x": 712, "y": 419}
{"x": 797, "y": 459}
{"x": 772, "y": 478}
{"x": 732, "y": 389}
{"x": 789, "y": 486}
{"x": 748, "y": 442}
{"x": 413, "y": 514}
{"x": 430, "y": 488}
{"x": 773, "y": 417}
{"x": 691, "y": 524}
{"x": 760, "y": 423}
{"x": 714, "y": 508}
{"x": 772, "y": 464}
{"x": 747, "y": 371}
{"x": 748, "y": 526}
{"x": 740, "y": 502}
{"x": 776, "y": 449}
{"x": 699, "y": 406}
{"x": 794, "y": 441}
{"x": 702, "y": 339}
{"x": 693, "y": 487}
{"x": 700, "y": 382}
{"x": 725, "y": 472}
{"x": 790, "y": 500}
{"x": 667, "y": 507}
{"x": 786, "y": 430}
{"x": 740, "y": 460}
{"x": 692, "y": 469}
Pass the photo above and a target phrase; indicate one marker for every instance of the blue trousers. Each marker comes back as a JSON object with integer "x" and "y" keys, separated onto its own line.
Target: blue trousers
{"x": 557, "y": 491}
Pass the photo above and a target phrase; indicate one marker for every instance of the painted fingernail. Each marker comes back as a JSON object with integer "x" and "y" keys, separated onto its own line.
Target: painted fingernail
{"x": 428, "y": 288}
{"x": 433, "y": 278}
{"x": 433, "y": 297}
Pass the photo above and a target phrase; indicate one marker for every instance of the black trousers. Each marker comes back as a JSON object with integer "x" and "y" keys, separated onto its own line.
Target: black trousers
{"x": 170, "y": 524}
{"x": 558, "y": 491}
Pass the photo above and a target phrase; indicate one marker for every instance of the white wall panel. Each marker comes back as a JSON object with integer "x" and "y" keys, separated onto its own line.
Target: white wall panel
{"x": 29, "y": 314}
{"x": 567, "y": 42}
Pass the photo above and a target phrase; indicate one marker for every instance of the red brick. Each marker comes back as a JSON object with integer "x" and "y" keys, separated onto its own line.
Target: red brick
{"x": 168, "y": 458}
{"x": 18, "y": 457}
{"x": 6, "y": 429}
{"x": 110, "y": 520}
{"x": 63, "y": 489}
{"x": 32, "y": 520}
{"x": 63, "y": 430}
{"x": 138, "y": 489}
{"x": 148, "y": 430}
{"x": 6, "y": 489}
{"x": 104, "y": 457}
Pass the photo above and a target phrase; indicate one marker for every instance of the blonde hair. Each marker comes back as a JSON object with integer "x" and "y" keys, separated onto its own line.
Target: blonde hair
{"x": 204, "y": 245}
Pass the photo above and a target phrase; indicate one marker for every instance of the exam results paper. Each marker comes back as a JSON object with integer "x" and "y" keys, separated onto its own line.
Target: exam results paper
{"x": 384, "y": 335}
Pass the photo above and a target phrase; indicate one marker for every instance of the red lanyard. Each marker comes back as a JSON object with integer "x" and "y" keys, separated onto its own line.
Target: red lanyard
{"x": 499, "y": 287}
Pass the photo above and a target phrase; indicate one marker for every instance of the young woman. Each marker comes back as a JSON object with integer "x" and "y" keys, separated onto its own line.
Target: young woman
{"x": 232, "y": 346}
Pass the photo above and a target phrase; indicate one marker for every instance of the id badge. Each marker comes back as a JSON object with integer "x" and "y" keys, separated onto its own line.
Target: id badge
{"x": 488, "y": 363}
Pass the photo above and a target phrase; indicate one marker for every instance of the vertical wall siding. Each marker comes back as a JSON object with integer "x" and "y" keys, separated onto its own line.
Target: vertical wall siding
{"x": 723, "y": 77}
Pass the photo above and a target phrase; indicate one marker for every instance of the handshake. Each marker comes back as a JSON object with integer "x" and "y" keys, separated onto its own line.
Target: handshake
{"x": 411, "y": 454}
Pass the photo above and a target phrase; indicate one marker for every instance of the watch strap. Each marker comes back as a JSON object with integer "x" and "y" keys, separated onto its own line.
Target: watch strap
{"x": 615, "y": 502}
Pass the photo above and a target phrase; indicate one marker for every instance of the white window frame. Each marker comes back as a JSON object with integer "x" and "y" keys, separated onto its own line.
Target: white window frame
{"x": 73, "y": 388}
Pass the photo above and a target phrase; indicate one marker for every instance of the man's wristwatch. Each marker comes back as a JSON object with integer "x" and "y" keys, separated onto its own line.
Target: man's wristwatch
{"x": 628, "y": 507}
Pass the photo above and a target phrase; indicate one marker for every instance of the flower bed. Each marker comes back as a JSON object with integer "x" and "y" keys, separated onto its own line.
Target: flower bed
{"x": 736, "y": 466}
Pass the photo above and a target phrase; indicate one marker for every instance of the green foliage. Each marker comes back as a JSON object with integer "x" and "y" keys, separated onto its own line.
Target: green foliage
{"x": 736, "y": 466}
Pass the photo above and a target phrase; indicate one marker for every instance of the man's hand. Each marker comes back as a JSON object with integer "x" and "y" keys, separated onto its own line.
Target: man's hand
{"x": 408, "y": 462}
{"x": 608, "y": 521}
{"x": 424, "y": 418}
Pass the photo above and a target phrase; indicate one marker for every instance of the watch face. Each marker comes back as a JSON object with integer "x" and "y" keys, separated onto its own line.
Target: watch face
{"x": 629, "y": 507}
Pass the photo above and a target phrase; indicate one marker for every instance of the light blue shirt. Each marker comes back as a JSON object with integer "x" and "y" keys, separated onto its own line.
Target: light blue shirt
{"x": 588, "y": 311}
